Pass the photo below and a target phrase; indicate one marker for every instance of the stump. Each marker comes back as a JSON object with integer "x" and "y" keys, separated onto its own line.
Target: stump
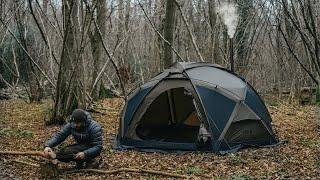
{"x": 48, "y": 170}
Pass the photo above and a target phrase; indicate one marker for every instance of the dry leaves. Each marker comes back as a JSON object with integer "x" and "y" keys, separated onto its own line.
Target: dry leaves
{"x": 299, "y": 158}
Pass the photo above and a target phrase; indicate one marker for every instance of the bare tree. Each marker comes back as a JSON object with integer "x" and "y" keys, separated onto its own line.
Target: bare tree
{"x": 69, "y": 91}
{"x": 215, "y": 32}
{"x": 96, "y": 46}
{"x": 168, "y": 32}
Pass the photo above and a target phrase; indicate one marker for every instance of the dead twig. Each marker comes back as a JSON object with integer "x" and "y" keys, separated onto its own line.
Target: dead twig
{"x": 28, "y": 54}
{"x": 26, "y": 153}
{"x": 52, "y": 155}
{"x": 129, "y": 170}
{"x": 39, "y": 153}
{"x": 25, "y": 163}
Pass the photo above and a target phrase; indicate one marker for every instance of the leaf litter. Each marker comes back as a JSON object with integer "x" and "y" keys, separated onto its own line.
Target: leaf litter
{"x": 299, "y": 158}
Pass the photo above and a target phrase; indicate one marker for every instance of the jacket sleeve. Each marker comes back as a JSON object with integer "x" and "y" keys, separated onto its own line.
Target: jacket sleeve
{"x": 59, "y": 137}
{"x": 96, "y": 142}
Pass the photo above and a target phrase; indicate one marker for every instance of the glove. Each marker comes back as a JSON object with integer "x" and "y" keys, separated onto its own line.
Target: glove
{"x": 80, "y": 156}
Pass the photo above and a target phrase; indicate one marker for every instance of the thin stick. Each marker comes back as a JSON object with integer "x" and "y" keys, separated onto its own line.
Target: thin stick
{"x": 296, "y": 57}
{"x": 46, "y": 41}
{"x": 26, "y": 153}
{"x": 29, "y": 56}
{"x": 130, "y": 170}
{"x": 26, "y": 163}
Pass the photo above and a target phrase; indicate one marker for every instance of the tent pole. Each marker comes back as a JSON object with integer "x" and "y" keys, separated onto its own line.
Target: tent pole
{"x": 171, "y": 105}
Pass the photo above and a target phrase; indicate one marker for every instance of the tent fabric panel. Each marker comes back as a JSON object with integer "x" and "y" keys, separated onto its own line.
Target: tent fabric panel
{"x": 218, "y": 109}
{"x": 257, "y": 105}
{"x": 220, "y": 90}
{"x": 159, "y": 76}
{"x": 224, "y": 147}
{"x": 219, "y": 77}
{"x": 151, "y": 144}
{"x": 248, "y": 132}
{"x": 188, "y": 65}
{"x": 245, "y": 113}
{"x": 157, "y": 112}
{"x": 132, "y": 106}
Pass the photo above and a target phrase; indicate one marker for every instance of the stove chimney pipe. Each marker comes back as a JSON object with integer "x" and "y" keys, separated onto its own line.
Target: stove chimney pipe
{"x": 231, "y": 54}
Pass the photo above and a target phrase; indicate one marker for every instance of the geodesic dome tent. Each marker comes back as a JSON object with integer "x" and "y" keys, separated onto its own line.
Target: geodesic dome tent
{"x": 195, "y": 106}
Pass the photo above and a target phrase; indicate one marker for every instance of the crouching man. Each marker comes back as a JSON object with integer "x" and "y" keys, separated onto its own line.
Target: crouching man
{"x": 87, "y": 134}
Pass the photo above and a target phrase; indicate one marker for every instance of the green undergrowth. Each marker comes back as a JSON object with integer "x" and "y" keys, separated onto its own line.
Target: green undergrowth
{"x": 7, "y": 132}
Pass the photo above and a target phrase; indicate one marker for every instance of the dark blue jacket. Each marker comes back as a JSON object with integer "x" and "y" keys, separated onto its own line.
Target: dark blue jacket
{"x": 90, "y": 136}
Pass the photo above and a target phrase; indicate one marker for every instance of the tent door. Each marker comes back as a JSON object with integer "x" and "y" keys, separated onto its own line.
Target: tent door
{"x": 172, "y": 117}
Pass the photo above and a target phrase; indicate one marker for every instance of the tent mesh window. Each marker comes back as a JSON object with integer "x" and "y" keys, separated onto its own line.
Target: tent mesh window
{"x": 171, "y": 117}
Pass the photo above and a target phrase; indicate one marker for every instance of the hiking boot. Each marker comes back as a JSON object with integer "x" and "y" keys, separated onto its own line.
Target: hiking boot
{"x": 94, "y": 164}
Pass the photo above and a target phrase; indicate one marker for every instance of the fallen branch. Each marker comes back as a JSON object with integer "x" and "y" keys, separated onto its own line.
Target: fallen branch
{"x": 26, "y": 153}
{"x": 26, "y": 163}
{"x": 51, "y": 154}
{"x": 39, "y": 153}
{"x": 129, "y": 170}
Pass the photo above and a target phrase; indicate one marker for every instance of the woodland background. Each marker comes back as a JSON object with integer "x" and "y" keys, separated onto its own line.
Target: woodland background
{"x": 75, "y": 52}
{"x": 56, "y": 55}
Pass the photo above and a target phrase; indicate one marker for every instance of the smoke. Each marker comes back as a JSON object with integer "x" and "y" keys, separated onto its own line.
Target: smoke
{"x": 229, "y": 15}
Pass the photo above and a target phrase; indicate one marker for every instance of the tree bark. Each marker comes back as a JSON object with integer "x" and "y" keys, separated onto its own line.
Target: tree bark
{"x": 214, "y": 32}
{"x": 69, "y": 90}
{"x": 96, "y": 46}
{"x": 31, "y": 73}
{"x": 242, "y": 35}
{"x": 169, "y": 31}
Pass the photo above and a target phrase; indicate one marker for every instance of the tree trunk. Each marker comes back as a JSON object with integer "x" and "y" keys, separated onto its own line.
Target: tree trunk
{"x": 242, "y": 36}
{"x": 169, "y": 31}
{"x": 214, "y": 32}
{"x": 123, "y": 65}
{"x": 32, "y": 75}
{"x": 45, "y": 6}
{"x": 96, "y": 46}
{"x": 69, "y": 90}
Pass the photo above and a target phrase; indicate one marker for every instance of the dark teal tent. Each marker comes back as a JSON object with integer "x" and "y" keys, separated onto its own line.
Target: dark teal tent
{"x": 195, "y": 106}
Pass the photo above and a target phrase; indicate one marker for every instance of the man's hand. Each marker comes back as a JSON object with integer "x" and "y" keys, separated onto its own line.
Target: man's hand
{"x": 47, "y": 151}
{"x": 80, "y": 156}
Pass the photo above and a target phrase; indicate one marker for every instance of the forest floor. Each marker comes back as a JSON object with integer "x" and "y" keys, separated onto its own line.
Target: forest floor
{"x": 22, "y": 129}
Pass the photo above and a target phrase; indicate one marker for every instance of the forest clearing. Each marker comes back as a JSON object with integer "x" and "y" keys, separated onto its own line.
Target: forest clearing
{"x": 22, "y": 129}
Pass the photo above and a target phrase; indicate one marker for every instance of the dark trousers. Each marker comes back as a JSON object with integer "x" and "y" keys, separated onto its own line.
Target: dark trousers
{"x": 69, "y": 153}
